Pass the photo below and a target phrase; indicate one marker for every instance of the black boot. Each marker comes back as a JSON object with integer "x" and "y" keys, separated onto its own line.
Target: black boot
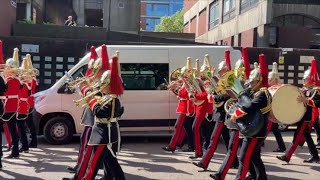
{"x": 33, "y": 144}
{"x": 26, "y": 150}
{"x": 200, "y": 165}
{"x": 279, "y": 150}
{"x": 312, "y": 160}
{"x": 283, "y": 158}
{"x": 167, "y": 149}
{"x": 72, "y": 169}
{"x": 215, "y": 176}
{"x": 0, "y": 164}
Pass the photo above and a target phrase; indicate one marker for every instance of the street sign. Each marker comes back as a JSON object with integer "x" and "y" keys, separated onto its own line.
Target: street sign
{"x": 30, "y": 48}
{"x": 281, "y": 59}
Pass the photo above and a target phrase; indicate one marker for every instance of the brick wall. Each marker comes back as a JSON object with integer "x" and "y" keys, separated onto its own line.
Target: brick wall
{"x": 186, "y": 28}
{"x": 227, "y": 42}
{"x": 187, "y": 4}
{"x": 202, "y": 24}
{"x": 143, "y": 12}
{"x": 247, "y": 38}
{"x": 292, "y": 37}
{"x": 7, "y": 17}
{"x": 193, "y": 26}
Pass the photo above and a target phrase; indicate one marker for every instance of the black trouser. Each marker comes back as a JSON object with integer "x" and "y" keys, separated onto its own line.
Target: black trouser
{"x": 32, "y": 128}
{"x": 206, "y": 130}
{"x": 22, "y": 132}
{"x": 278, "y": 136}
{"x": 110, "y": 163}
{"x": 250, "y": 152}
{"x": 188, "y": 127}
{"x": 12, "y": 125}
{"x": 1, "y": 127}
{"x": 316, "y": 126}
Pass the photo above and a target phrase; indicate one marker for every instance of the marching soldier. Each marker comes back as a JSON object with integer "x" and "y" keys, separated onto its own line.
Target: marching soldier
{"x": 11, "y": 101}
{"x": 3, "y": 88}
{"x": 23, "y": 105}
{"x": 201, "y": 103}
{"x": 105, "y": 133}
{"x": 87, "y": 118}
{"x": 220, "y": 128}
{"x": 312, "y": 100}
{"x": 242, "y": 73}
{"x": 250, "y": 151}
{"x": 185, "y": 110}
{"x": 274, "y": 79}
{"x": 32, "y": 85}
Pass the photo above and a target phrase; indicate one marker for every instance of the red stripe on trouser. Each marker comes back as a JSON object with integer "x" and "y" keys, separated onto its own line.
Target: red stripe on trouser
{"x": 213, "y": 145}
{"x": 297, "y": 140}
{"x": 85, "y": 162}
{"x": 182, "y": 136}
{"x": 269, "y": 126}
{"x": 315, "y": 117}
{"x": 232, "y": 157}
{"x": 93, "y": 162}
{"x": 7, "y": 134}
{"x": 247, "y": 158}
{"x": 179, "y": 127}
{"x": 83, "y": 145}
{"x": 196, "y": 132}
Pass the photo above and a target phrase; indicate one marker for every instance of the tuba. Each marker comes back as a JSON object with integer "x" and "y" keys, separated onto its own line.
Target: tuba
{"x": 175, "y": 82}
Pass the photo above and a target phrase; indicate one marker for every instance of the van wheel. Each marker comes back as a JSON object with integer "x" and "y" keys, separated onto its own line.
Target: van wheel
{"x": 58, "y": 130}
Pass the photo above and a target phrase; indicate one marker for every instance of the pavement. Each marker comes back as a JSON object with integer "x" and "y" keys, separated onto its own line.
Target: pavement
{"x": 142, "y": 158}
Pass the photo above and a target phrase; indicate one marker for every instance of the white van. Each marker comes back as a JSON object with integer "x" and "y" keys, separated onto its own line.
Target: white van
{"x": 149, "y": 110}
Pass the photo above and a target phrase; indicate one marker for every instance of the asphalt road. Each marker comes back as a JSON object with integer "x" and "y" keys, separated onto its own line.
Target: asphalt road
{"x": 143, "y": 158}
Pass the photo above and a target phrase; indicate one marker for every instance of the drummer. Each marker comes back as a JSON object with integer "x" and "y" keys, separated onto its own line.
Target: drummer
{"x": 273, "y": 80}
{"x": 311, "y": 98}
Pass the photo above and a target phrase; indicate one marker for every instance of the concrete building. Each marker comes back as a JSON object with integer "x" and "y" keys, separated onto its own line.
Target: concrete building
{"x": 7, "y": 16}
{"x": 254, "y": 23}
{"x": 153, "y": 10}
{"x": 116, "y": 15}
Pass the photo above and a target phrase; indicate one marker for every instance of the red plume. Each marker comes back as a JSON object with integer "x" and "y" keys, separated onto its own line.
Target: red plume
{"x": 246, "y": 62}
{"x": 263, "y": 70}
{"x": 227, "y": 58}
{"x": 115, "y": 79}
{"x": 1, "y": 53}
{"x": 93, "y": 56}
{"x": 313, "y": 77}
{"x": 105, "y": 58}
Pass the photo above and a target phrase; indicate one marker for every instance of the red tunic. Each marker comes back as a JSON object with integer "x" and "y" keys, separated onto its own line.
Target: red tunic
{"x": 203, "y": 107}
{"x": 185, "y": 105}
{"x": 23, "y": 107}
{"x": 32, "y": 86}
{"x": 11, "y": 94}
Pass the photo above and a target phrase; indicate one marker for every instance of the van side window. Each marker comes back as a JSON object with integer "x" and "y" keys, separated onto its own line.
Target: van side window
{"x": 144, "y": 76}
{"x": 80, "y": 72}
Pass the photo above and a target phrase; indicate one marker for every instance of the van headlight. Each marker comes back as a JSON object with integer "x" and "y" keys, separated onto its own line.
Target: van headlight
{"x": 38, "y": 99}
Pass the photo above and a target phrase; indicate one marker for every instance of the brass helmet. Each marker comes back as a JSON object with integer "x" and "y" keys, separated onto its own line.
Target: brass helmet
{"x": 225, "y": 65}
{"x": 197, "y": 69}
{"x": 14, "y": 61}
{"x": 102, "y": 63}
{"x": 274, "y": 75}
{"x": 255, "y": 65}
{"x": 186, "y": 71}
{"x": 206, "y": 69}
{"x": 25, "y": 65}
{"x": 239, "y": 70}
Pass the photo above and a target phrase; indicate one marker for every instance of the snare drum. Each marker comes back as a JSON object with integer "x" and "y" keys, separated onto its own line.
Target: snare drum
{"x": 285, "y": 108}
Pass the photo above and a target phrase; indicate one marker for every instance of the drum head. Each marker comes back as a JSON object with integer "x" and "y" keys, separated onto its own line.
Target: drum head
{"x": 285, "y": 107}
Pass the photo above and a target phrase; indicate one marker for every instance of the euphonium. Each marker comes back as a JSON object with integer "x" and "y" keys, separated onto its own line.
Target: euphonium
{"x": 174, "y": 81}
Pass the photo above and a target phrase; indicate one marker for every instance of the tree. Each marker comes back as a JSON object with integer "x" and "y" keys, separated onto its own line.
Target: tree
{"x": 172, "y": 23}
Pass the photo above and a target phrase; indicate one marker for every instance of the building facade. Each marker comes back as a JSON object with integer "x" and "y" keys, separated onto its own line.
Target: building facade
{"x": 7, "y": 16}
{"x": 153, "y": 10}
{"x": 254, "y": 23}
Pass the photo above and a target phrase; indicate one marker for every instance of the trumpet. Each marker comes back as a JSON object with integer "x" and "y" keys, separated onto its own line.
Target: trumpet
{"x": 75, "y": 83}
{"x": 83, "y": 101}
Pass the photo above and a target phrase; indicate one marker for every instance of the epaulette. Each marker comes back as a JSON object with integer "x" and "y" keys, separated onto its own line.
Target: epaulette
{"x": 263, "y": 89}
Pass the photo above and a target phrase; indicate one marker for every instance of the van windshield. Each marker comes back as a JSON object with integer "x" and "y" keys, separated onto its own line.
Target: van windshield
{"x": 80, "y": 72}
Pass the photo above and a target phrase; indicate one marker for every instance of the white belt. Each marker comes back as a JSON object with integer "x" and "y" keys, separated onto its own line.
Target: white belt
{"x": 12, "y": 97}
{"x": 32, "y": 95}
{"x": 23, "y": 99}
{"x": 113, "y": 120}
{"x": 3, "y": 97}
{"x": 182, "y": 99}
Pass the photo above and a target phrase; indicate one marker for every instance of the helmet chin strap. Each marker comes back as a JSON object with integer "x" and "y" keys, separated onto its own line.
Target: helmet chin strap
{"x": 257, "y": 86}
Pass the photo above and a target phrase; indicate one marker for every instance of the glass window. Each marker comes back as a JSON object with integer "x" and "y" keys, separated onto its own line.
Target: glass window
{"x": 213, "y": 15}
{"x": 228, "y": 6}
{"x": 80, "y": 72}
{"x": 151, "y": 23}
{"x": 157, "y": 9}
{"x": 247, "y": 3}
{"x": 144, "y": 76}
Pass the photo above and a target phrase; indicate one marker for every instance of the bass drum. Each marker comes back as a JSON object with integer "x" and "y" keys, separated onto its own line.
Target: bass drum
{"x": 285, "y": 108}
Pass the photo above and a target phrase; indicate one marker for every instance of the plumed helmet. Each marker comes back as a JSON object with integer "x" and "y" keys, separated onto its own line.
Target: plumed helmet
{"x": 93, "y": 57}
{"x": 206, "y": 69}
{"x": 185, "y": 71}
{"x": 14, "y": 61}
{"x": 102, "y": 63}
{"x": 274, "y": 75}
{"x": 239, "y": 70}
{"x": 226, "y": 64}
{"x": 311, "y": 76}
